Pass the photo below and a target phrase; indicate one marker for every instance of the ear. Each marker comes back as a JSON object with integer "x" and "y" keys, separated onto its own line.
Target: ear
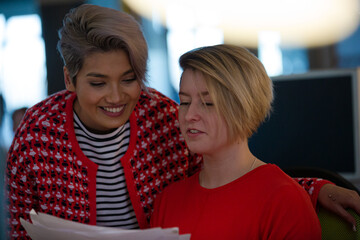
{"x": 68, "y": 81}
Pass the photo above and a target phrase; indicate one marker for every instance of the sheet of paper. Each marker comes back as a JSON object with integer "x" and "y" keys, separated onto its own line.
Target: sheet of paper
{"x": 44, "y": 227}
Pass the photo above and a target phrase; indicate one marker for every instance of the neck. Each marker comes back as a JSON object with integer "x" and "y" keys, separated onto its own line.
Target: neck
{"x": 227, "y": 165}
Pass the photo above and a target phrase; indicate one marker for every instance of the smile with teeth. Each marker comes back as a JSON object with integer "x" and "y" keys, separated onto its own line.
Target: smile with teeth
{"x": 113, "y": 109}
{"x": 194, "y": 131}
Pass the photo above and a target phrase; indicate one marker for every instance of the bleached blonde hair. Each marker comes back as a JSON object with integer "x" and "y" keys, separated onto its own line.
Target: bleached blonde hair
{"x": 91, "y": 28}
{"x": 238, "y": 84}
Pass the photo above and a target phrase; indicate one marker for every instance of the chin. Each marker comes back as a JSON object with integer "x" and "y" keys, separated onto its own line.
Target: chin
{"x": 116, "y": 124}
{"x": 197, "y": 150}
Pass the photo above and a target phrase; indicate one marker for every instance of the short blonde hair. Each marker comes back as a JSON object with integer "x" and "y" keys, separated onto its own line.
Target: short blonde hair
{"x": 238, "y": 84}
{"x": 90, "y": 28}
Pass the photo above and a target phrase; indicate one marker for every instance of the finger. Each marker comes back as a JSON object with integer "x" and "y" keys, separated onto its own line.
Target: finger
{"x": 346, "y": 216}
{"x": 354, "y": 202}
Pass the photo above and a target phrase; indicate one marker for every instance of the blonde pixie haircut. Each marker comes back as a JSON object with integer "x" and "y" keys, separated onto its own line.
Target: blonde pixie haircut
{"x": 90, "y": 29}
{"x": 238, "y": 84}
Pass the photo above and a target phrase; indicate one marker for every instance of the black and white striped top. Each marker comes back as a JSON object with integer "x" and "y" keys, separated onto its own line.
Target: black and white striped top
{"x": 113, "y": 205}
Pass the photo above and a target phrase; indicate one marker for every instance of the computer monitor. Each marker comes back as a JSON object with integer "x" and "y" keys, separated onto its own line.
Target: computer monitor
{"x": 314, "y": 123}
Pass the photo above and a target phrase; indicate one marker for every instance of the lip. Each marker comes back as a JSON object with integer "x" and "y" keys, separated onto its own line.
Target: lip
{"x": 113, "y": 111}
{"x": 193, "y": 132}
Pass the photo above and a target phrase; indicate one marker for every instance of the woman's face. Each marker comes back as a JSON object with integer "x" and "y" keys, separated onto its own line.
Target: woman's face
{"x": 205, "y": 132}
{"x": 107, "y": 90}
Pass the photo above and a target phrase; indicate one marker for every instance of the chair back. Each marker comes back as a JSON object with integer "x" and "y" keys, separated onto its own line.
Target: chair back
{"x": 334, "y": 227}
{"x": 314, "y": 172}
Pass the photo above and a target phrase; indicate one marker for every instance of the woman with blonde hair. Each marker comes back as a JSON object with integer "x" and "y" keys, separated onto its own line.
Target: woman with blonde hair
{"x": 225, "y": 94}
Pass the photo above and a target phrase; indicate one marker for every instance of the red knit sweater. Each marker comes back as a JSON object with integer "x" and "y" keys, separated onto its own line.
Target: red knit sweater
{"x": 47, "y": 171}
{"x": 263, "y": 204}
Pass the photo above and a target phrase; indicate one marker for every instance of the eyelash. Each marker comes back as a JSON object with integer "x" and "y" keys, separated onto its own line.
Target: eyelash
{"x": 129, "y": 80}
{"x": 187, "y": 103}
{"x": 96, "y": 84}
{"x": 99, "y": 84}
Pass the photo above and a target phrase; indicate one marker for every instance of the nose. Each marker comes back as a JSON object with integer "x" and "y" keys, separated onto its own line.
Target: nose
{"x": 114, "y": 95}
{"x": 192, "y": 113}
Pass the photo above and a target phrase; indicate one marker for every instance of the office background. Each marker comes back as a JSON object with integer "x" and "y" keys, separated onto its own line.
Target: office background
{"x": 31, "y": 68}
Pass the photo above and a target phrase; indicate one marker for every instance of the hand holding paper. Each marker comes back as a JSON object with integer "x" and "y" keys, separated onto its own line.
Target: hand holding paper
{"x": 44, "y": 227}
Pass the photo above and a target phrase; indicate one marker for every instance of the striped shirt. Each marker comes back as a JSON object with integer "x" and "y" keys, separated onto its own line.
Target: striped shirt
{"x": 113, "y": 205}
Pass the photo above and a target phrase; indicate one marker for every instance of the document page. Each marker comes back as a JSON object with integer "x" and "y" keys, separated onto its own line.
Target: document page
{"x": 45, "y": 226}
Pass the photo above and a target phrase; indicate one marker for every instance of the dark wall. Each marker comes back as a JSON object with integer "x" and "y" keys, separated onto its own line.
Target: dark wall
{"x": 52, "y": 15}
{"x": 17, "y": 7}
{"x": 323, "y": 57}
{"x": 51, "y": 12}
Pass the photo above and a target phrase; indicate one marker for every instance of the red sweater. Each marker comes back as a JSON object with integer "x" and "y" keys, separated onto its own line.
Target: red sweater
{"x": 47, "y": 171}
{"x": 263, "y": 204}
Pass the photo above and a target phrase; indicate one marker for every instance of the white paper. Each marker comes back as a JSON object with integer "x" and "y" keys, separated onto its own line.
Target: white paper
{"x": 45, "y": 227}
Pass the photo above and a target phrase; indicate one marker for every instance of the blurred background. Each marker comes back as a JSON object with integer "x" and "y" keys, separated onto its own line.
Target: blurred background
{"x": 288, "y": 37}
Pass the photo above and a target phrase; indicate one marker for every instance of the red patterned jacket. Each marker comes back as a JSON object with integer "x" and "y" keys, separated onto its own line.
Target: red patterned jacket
{"x": 48, "y": 172}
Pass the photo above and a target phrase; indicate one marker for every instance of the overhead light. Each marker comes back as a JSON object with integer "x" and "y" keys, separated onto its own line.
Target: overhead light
{"x": 299, "y": 23}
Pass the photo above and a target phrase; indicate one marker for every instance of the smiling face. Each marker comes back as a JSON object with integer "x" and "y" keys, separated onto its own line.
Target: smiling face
{"x": 107, "y": 90}
{"x": 204, "y": 130}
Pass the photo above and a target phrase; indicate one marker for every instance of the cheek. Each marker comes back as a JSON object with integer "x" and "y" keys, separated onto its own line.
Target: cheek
{"x": 181, "y": 117}
{"x": 223, "y": 131}
{"x": 84, "y": 96}
{"x": 218, "y": 124}
{"x": 134, "y": 92}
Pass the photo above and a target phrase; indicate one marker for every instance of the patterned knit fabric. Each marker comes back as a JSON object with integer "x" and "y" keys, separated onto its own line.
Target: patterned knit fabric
{"x": 47, "y": 171}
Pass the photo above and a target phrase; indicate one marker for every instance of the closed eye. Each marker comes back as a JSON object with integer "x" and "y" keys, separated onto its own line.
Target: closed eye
{"x": 184, "y": 103}
{"x": 129, "y": 80}
{"x": 97, "y": 84}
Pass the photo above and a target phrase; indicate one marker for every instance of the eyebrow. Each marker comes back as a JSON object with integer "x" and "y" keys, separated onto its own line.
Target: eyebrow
{"x": 204, "y": 93}
{"x": 99, "y": 75}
